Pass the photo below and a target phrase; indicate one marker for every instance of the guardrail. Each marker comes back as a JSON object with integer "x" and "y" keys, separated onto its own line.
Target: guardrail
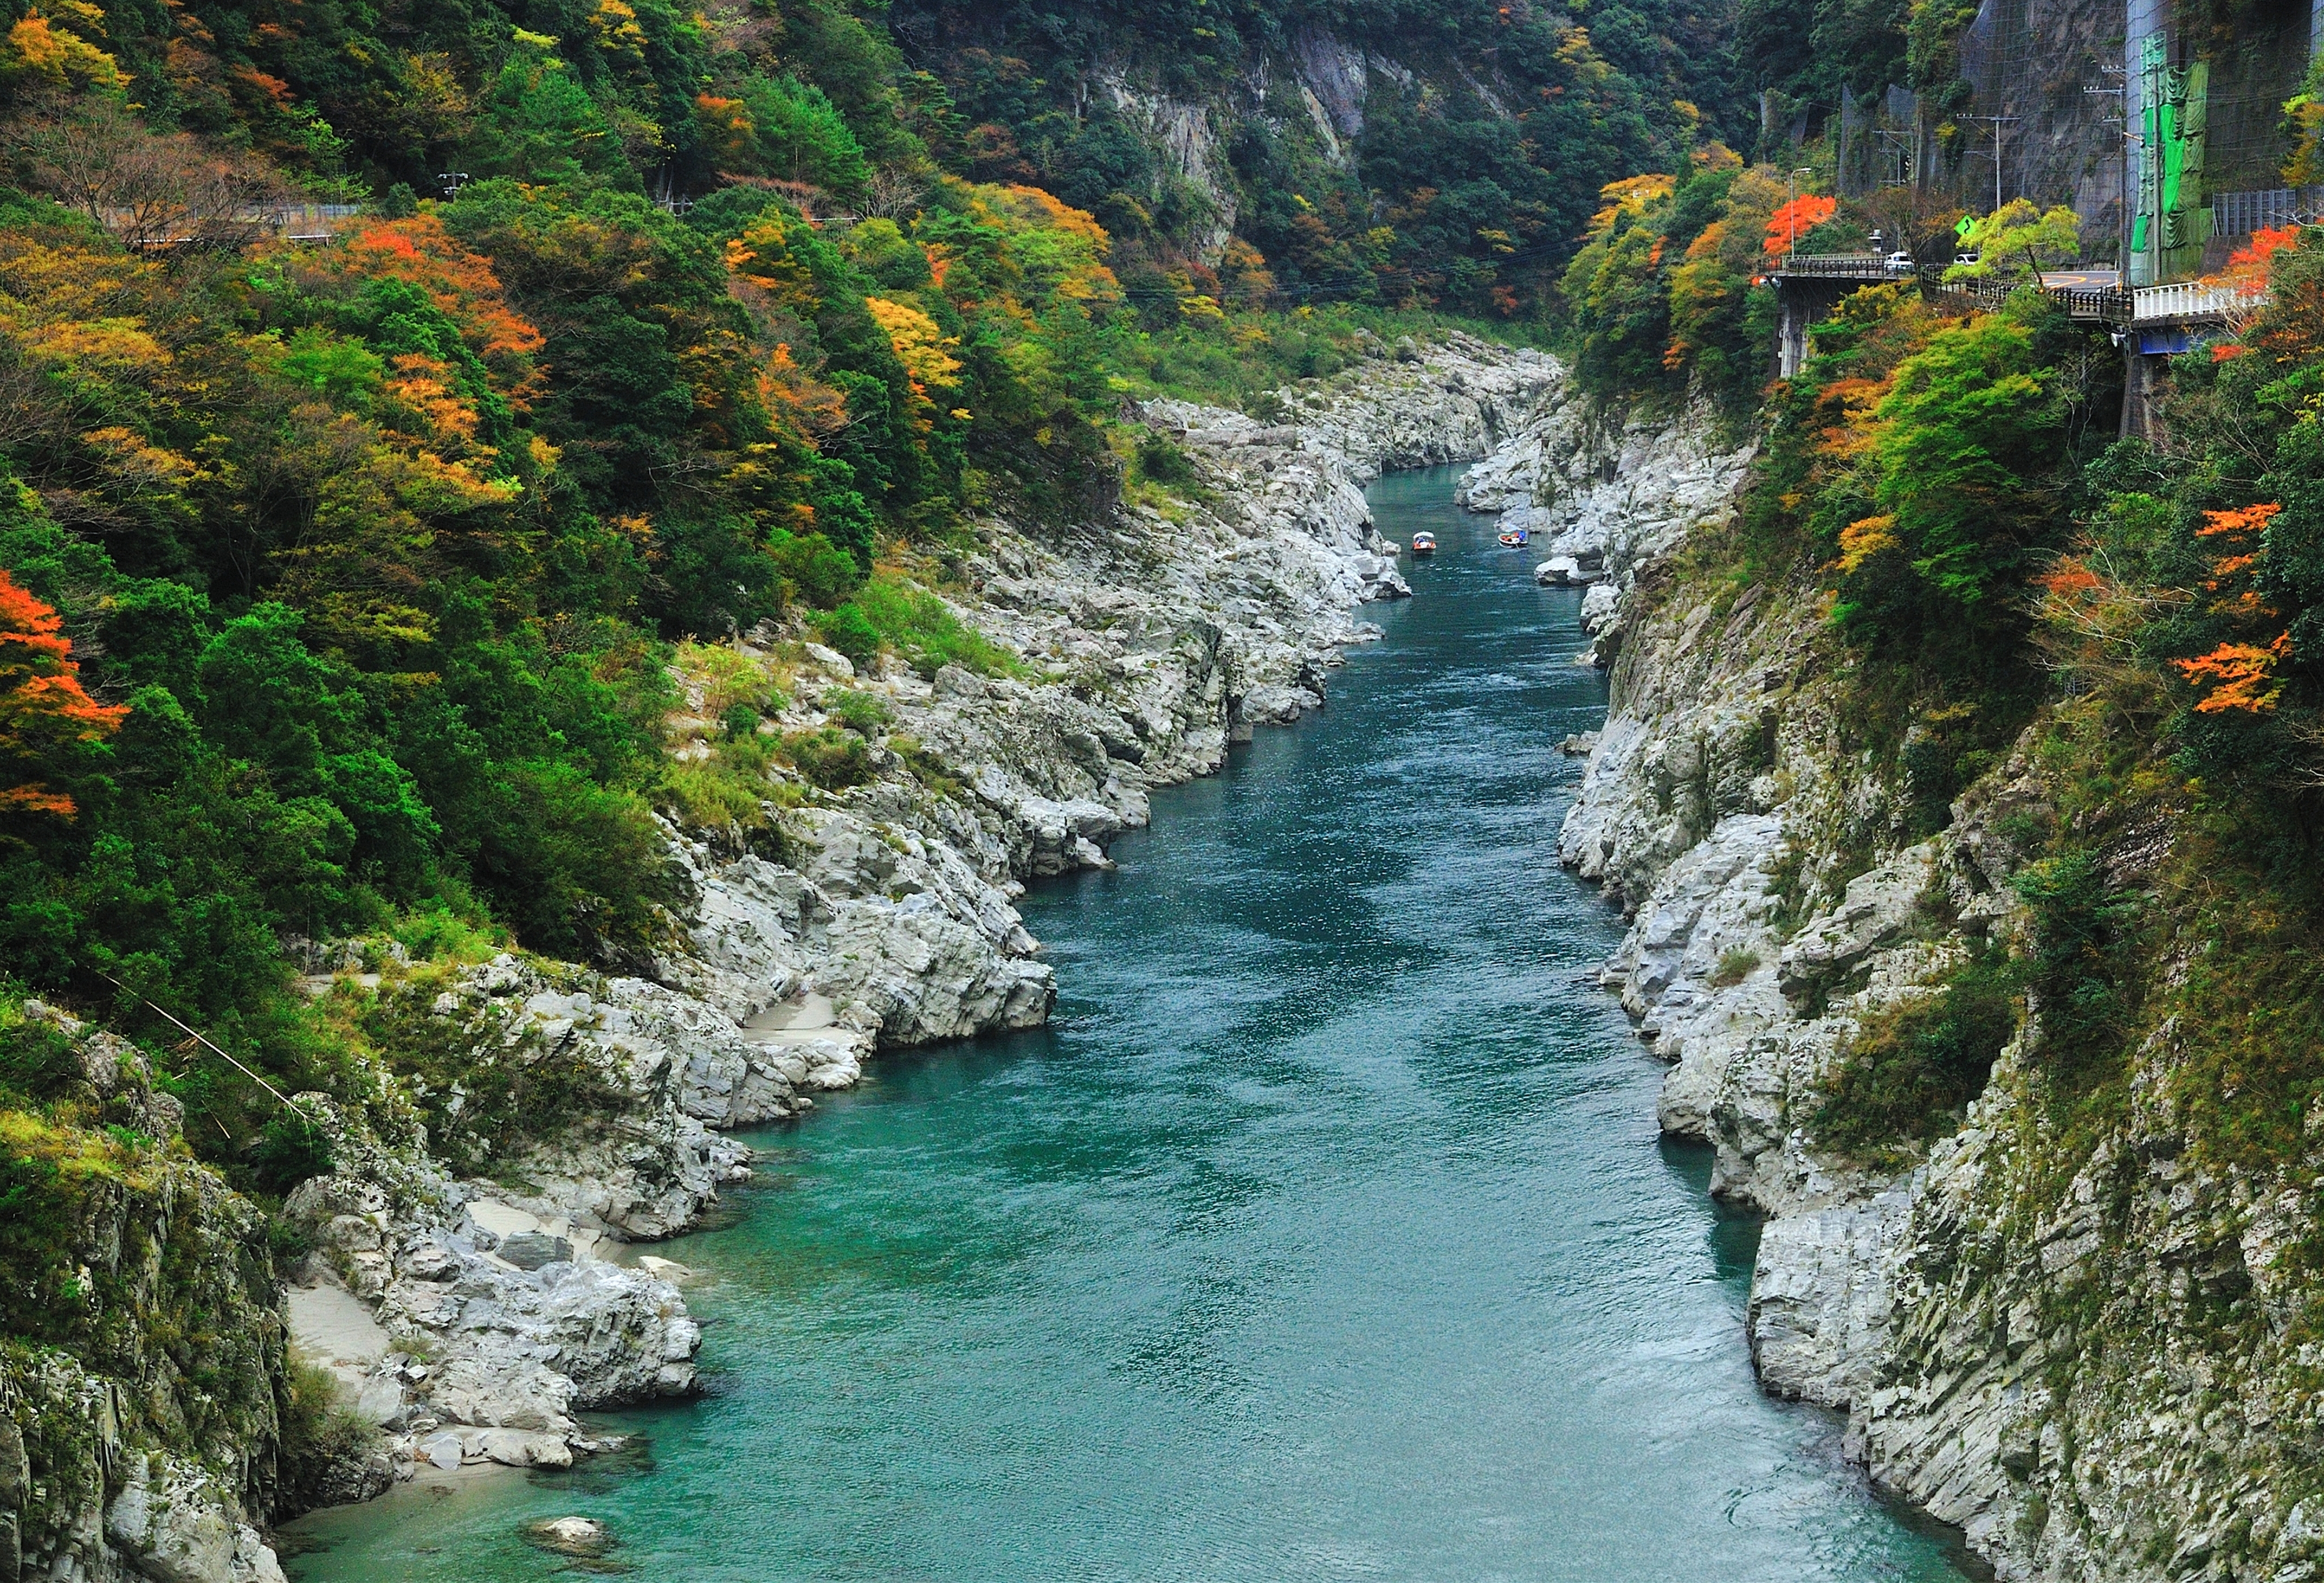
{"x": 2183, "y": 303}
{"x": 237, "y": 226}
{"x": 303, "y": 222}
{"x": 2188, "y": 300}
{"x": 2093, "y": 304}
{"x": 2086, "y": 304}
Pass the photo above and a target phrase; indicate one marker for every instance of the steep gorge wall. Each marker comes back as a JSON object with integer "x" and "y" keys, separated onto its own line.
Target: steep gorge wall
{"x": 141, "y": 1419}
{"x": 2086, "y": 1358}
{"x": 469, "y": 1284}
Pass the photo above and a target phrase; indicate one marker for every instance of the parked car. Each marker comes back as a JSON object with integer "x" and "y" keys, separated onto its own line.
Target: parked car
{"x": 1965, "y": 258}
{"x": 1899, "y": 264}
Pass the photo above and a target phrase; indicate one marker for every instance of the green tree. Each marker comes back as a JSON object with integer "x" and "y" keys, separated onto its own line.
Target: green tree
{"x": 2018, "y": 241}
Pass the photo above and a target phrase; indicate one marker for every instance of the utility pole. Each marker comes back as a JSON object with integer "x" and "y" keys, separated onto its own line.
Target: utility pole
{"x": 1998, "y": 122}
{"x": 2129, "y": 140}
{"x": 1896, "y": 157}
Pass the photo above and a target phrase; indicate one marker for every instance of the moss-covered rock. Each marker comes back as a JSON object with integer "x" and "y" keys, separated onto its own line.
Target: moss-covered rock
{"x": 144, "y": 1351}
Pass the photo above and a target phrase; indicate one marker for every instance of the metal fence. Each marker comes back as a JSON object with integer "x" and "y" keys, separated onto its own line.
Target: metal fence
{"x": 2186, "y": 303}
{"x": 2093, "y": 304}
{"x": 2083, "y": 304}
{"x": 237, "y": 226}
{"x": 2239, "y": 214}
{"x": 303, "y": 222}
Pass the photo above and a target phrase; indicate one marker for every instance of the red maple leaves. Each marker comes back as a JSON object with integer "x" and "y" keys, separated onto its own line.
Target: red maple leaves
{"x": 42, "y": 704}
{"x": 1795, "y": 220}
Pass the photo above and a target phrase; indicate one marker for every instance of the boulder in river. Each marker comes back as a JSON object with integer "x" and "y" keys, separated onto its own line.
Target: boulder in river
{"x": 582, "y": 1538}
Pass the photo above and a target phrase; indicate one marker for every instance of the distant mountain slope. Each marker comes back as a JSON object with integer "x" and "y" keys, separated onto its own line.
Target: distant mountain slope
{"x": 1449, "y": 154}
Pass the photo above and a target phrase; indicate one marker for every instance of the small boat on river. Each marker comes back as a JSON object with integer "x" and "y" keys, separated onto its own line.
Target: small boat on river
{"x": 1424, "y": 543}
{"x": 1514, "y": 538}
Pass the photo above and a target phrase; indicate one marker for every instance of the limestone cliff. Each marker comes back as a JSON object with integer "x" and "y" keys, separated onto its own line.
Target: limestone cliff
{"x": 872, "y": 916}
{"x": 2087, "y": 1360}
{"x": 141, "y": 1418}
{"x": 466, "y": 1288}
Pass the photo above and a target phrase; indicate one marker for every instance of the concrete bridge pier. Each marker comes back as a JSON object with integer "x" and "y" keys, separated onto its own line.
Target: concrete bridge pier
{"x": 2139, "y": 372}
{"x": 1800, "y": 301}
{"x": 2146, "y": 353}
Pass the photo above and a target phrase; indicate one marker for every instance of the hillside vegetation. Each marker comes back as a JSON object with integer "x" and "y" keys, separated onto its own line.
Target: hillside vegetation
{"x": 2013, "y": 723}
{"x": 398, "y": 406}
{"x": 399, "y": 403}
{"x": 1457, "y": 170}
{"x": 2008, "y": 584}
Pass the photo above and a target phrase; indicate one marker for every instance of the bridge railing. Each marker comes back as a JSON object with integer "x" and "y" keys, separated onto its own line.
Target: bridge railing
{"x": 2093, "y": 304}
{"x": 236, "y": 226}
{"x": 2187, "y": 300}
{"x": 303, "y": 222}
{"x": 2183, "y": 303}
{"x": 1845, "y": 266}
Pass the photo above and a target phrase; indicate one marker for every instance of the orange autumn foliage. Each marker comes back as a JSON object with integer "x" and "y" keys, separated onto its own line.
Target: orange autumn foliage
{"x": 2263, "y": 246}
{"x": 726, "y": 125}
{"x": 2243, "y": 520}
{"x": 1862, "y": 540}
{"x": 2070, "y": 577}
{"x": 419, "y": 251}
{"x": 423, "y": 384}
{"x": 1797, "y": 219}
{"x": 2240, "y": 676}
{"x": 798, "y": 400}
{"x": 2280, "y": 320}
{"x": 2236, "y": 560}
{"x": 42, "y": 704}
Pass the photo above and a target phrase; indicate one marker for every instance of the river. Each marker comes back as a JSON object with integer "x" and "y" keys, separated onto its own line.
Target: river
{"x": 1324, "y": 1235}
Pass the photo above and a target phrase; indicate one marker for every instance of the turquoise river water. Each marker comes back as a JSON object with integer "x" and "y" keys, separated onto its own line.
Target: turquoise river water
{"x": 1324, "y": 1235}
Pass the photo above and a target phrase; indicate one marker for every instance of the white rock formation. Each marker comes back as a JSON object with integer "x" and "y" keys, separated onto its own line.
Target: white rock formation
{"x": 1604, "y": 496}
{"x": 175, "y": 1527}
{"x": 1151, "y": 641}
{"x": 2043, "y": 1362}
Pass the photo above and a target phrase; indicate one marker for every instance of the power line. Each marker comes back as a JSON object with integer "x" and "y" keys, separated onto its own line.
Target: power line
{"x": 1998, "y": 122}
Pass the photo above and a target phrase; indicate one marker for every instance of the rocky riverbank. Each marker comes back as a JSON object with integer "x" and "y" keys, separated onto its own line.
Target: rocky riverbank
{"x": 872, "y": 916}
{"x": 2046, "y": 1357}
{"x": 467, "y": 1283}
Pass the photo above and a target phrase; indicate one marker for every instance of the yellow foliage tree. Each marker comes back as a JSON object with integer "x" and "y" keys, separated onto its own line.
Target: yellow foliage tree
{"x": 40, "y": 48}
{"x": 920, "y": 345}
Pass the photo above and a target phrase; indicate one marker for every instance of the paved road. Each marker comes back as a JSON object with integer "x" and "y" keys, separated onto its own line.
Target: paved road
{"x": 2082, "y": 280}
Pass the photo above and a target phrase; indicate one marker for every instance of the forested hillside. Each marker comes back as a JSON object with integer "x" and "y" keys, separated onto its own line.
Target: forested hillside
{"x": 388, "y": 394}
{"x": 398, "y": 406}
{"x": 1373, "y": 150}
{"x": 2007, "y": 581}
{"x": 1965, "y": 779}
{"x": 396, "y": 400}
